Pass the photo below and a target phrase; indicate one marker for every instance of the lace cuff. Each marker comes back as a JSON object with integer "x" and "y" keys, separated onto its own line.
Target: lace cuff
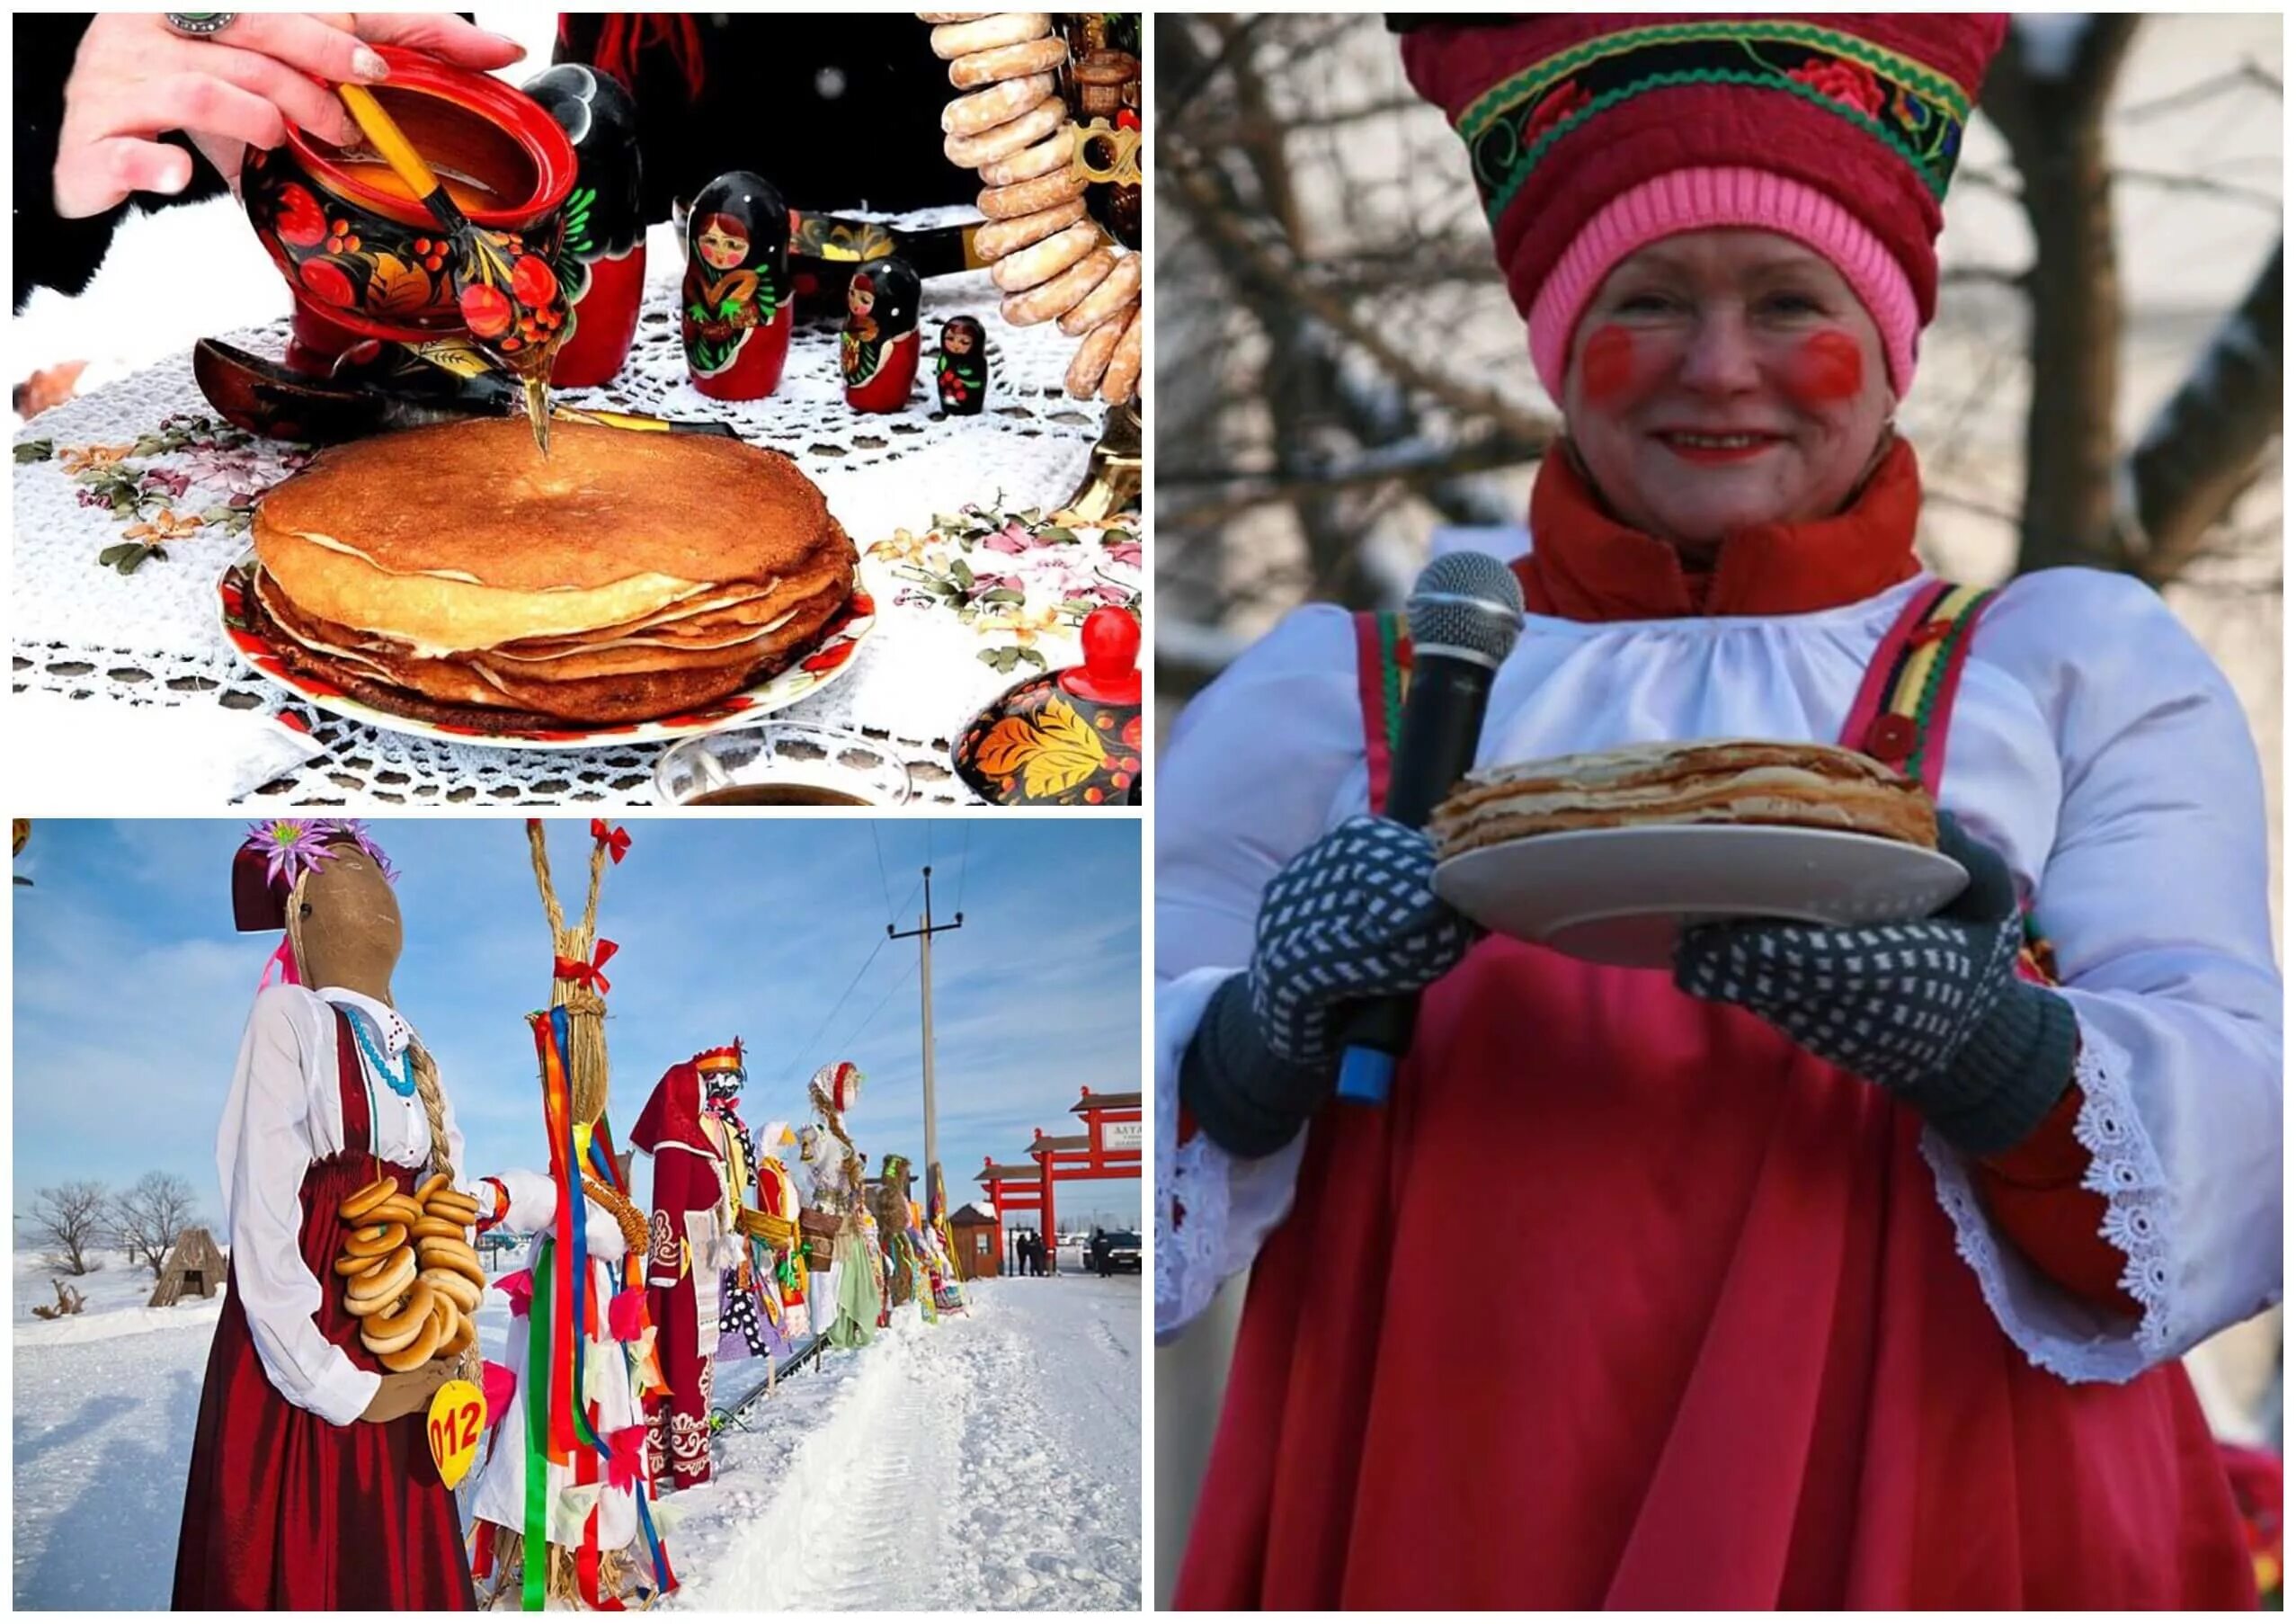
{"x": 2077, "y": 1341}
{"x": 1213, "y": 1210}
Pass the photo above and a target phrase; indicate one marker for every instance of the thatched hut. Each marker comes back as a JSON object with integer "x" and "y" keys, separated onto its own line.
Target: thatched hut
{"x": 194, "y": 1265}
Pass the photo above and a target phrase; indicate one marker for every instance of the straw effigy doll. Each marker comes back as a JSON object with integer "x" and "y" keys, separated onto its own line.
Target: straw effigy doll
{"x": 566, "y": 1468}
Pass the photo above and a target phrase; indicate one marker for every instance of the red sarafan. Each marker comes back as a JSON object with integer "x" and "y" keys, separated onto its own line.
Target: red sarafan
{"x": 1826, "y": 370}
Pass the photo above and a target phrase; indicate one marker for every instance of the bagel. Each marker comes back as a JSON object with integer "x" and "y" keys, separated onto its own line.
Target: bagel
{"x": 1024, "y": 268}
{"x": 952, "y": 16}
{"x": 367, "y": 1295}
{"x": 375, "y": 1240}
{"x": 983, "y": 110}
{"x": 360, "y": 1202}
{"x": 1123, "y": 376}
{"x": 457, "y": 1288}
{"x": 351, "y": 1263}
{"x": 447, "y": 1203}
{"x": 1052, "y": 152}
{"x": 1008, "y": 62}
{"x": 1109, "y": 298}
{"x": 433, "y": 1186}
{"x": 970, "y": 149}
{"x": 398, "y": 1209}
{"x": 439, "y": 1229}
{"x": 461, "y": 1332}
{"x": 461, "y": 1259}
{"x": 415, "y": 1352}
{"x": 992, "y": 32}
{"x": 385, "y": 1333}
{"x": 1060, "y": 295}
{"x": 1091, "y": 359}
{"x": 1026, "y": 196}
{"x": 995, "y": 241}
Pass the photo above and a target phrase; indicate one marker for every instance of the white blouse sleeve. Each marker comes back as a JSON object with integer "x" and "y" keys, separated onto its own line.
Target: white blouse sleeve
{"x": 2155, "y": 899}
{"x": 1259, "y": 766}
{"x": 263, "y": 1150}
{"x": 533, "y": 1200}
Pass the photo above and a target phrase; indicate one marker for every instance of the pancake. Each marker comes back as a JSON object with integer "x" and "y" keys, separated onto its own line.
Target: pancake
{"x": 628, "y": 577}
{"x": 1753, "y": 781}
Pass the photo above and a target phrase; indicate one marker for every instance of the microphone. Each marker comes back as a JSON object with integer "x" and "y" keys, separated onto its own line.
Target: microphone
{"x": 1464, "y": 612}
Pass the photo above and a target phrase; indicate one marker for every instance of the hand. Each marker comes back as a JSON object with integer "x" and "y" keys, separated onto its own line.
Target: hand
{"x": 403, "y": 1393}
{"x": 1353, "y": 916}
{"x": 1932, "y": 1010}
{"x": 135, "y": 77}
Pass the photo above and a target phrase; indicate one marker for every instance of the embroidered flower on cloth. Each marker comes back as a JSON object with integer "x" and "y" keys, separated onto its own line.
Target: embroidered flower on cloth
{"x": 1842, "y": 82}
{"x": 1564, "y": 102}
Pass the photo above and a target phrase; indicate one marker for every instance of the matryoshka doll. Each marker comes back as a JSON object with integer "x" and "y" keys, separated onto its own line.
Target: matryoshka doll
{"x": 961, "y": 372}
{"x": 603, "y": 261}
{"x": 879, "y": 351}
{"x": 735, "y": 309}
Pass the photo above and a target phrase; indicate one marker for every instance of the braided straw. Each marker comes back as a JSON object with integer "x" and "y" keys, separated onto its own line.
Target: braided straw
{"x": 585, "y": 1008}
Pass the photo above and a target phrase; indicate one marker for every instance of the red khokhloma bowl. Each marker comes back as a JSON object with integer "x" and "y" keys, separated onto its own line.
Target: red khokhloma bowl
{"x": 366, "y": 261}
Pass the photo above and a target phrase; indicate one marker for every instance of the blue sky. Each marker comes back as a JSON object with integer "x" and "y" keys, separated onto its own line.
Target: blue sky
{"x": 131, "y": 987}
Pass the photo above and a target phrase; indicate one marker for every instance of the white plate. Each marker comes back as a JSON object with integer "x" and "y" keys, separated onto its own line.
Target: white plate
{"x": 1621, "y": 896}
{"x": 830, "y": 657}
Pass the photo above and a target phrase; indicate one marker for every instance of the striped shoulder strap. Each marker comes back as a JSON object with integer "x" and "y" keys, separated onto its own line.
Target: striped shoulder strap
{"x": 1904, "y": 707}
{"x": 1383, "y": 680}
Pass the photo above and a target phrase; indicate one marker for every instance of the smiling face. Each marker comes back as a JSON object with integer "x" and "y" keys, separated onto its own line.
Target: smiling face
{"x": 1725, "y": 379}
{"x": 722, "y": 248}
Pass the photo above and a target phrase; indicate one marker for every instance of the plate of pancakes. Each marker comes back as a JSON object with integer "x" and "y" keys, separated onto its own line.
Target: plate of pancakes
{"x": 1608, "y": 856}
{"x": 452, "y": 583}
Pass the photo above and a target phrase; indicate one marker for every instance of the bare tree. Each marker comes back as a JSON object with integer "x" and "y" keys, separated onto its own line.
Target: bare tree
{"x": 72, "y": 1219}
{"x": 147, "y": 1219}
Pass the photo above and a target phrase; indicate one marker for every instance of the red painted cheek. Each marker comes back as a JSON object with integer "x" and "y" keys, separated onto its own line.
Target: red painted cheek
{"x": 1606, "y": 366}
{"x": 1826, "y": 371}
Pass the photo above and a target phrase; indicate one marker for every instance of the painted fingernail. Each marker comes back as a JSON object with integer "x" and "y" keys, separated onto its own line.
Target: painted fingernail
{"x": 368, "y": 63}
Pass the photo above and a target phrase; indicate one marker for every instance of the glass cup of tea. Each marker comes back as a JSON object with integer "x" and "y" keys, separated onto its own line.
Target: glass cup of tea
{"x": 782, "y": 764}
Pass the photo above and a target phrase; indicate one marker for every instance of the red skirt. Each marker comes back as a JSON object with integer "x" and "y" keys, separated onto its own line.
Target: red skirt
{"x": 1624, "y": 1301}
{"x": 285, "y": 1510}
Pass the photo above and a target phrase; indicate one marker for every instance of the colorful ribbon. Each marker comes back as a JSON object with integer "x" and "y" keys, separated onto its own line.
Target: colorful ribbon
{"x": 590, "y": 974}
{"x": 617, "y": 842}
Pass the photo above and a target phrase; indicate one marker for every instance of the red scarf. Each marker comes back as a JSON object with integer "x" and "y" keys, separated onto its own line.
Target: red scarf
{"x": 1585, "y": 565}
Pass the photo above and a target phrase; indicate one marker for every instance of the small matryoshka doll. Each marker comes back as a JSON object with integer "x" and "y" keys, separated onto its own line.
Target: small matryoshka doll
{"x": 602, "y": 263}
{"x": 736, "y": 307}
{"x": 879, "y": 347}
{"x": 961, "y": 372}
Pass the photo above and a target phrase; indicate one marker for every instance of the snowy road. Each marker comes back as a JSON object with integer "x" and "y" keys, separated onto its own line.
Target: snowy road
{"x": 990, "y": 1461}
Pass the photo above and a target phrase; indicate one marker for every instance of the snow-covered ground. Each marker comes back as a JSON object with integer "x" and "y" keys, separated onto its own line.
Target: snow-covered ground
{"x": 990, "y": 1461}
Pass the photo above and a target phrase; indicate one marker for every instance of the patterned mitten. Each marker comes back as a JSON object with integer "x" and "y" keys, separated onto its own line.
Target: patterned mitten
{"x": 1353, "y": 916}
{"x": 1931, "y": 1009}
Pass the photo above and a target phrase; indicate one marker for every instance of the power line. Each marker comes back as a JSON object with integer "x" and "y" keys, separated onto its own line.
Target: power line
{"x": 883, "y": 884}
{"x": 799, "y": 1056}
{"x": 906, "y": 975}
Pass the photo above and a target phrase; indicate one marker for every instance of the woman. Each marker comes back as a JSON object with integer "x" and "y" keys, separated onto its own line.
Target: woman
{"x": 311, "y": 1485}
{"x": 1746, "y": 1313}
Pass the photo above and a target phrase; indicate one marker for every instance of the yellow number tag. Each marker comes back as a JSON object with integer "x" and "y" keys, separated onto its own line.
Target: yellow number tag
{"x": 458, "y": 1416}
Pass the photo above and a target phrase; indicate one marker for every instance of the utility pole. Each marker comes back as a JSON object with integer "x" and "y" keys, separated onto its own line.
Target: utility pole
{"x": 925, "y": 932}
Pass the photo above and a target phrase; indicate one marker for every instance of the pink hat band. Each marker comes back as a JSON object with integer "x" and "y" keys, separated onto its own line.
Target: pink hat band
{"x": 1695, "y": 200}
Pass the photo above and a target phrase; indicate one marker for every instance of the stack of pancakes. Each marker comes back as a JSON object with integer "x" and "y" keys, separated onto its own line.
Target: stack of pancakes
{"x": 455, "y": 574}
{"x": 1711, "y": 781}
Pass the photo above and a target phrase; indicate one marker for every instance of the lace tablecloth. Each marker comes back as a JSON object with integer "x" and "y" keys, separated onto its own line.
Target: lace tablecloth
{"x": 143, "y": 463}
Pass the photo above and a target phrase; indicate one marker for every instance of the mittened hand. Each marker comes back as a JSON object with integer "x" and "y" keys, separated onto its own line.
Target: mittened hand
{"x": 1932, "y": 1009}
{"x": 1353, "y": 916}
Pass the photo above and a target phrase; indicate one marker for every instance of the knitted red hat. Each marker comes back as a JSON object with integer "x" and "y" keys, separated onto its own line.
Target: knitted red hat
{"x": 1593, "y": 134}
